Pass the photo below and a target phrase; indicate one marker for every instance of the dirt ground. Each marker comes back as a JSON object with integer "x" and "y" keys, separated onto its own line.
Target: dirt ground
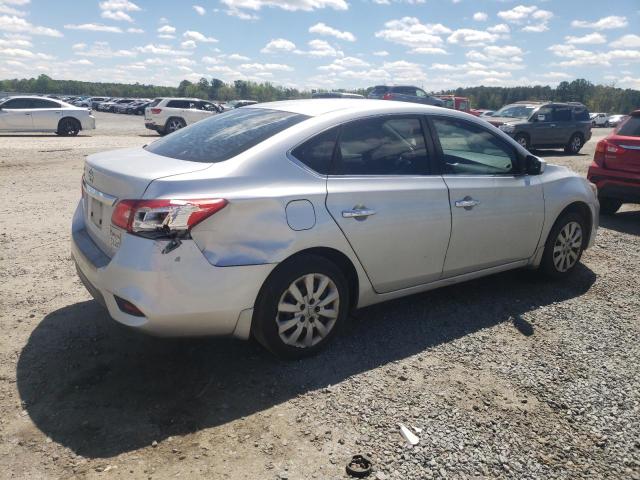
{"x": 504, "y": 377}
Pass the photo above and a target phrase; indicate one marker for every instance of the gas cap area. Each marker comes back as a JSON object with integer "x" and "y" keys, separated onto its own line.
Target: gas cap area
{"x": 300, "y": 215}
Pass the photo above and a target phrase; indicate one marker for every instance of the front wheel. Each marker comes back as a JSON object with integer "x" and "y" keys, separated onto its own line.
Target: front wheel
{"x": 607, "y": 124}
{"x": 564, "y": 246}
{"x": 68, "y": 127}
{"x": 574, "y": 145}
{"x": 300, "y": 307}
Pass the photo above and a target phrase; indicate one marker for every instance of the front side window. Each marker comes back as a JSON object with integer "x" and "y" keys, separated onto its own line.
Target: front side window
{"x": 382, "y": 146}
{"x": 544, "y": 114}
{"x": 221, "y": 137}
{"x": 469, "y": 149}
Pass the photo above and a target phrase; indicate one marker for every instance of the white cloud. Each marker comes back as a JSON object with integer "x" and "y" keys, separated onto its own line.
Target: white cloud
{"x": 101, "y": 50}
{"x": 320, "y": 48}
{"x": 591, "y": 38}
{"x": 381, "y": 53}
{"x": 167, "y": 30}
{"x": 410, "y": 32}
{"x": 261, "y": 67}
{"x": 470, "y": 38}
{"x": 507, "y": 51}
{"x": 117, "y": 15}
{"x": 22, "y": 53}
{"x": 323, "y": 29}
{"x": 94, "y": 27}
{"x": 6, "y": 9}
{"x": 389, "y": 2}
{"x": 238, "y": 8}
{"x": 188, "y": 44}
{"x": 429, "y": 51}
{"x": 500, "y": 28}
{"x": 162, "y": 50}
{"x": 135, "y": 30}
{"x": 198, "y": 37}
{"x": 15, "y": 24}
{"x": 605, "y": 23}
{"x": 480, "y": 17}
{"x": 200, "y": 10}
{"x": 531, "y": 17}
{"x": 627, "y": 41}
{"x": 279, "y": 45}
{"x": 15, "y": 42}
{"x": 122, "y": 5}
{"x": 238, "y": 57}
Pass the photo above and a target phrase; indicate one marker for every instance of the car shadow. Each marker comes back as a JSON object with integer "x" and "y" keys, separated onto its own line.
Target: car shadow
{"x": 43, "y": 135}
{"x": 623, "y": 222}
{"x": 99, "y": 389}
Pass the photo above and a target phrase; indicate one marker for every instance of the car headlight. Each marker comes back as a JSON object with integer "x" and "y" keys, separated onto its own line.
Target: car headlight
{"x": 507, "y": 128}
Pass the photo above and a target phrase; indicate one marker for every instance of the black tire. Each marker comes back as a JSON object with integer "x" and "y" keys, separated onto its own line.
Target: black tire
{"x": 576, "y": 142}
{"x": 173, "y": 124}
{"x": 523, "y": 140}
{"x": 606, "y": 124}
{"x": 609, "y": 206}
{"x": 549, "y": 264}
{"x": 68, "y": 127}
{"x": 267, "y": 317}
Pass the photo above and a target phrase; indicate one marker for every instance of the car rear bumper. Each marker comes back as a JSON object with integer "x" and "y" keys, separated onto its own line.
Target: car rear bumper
{"x": 180, "y": 293}
{"x": 152, "y": 126}
{"x": 623, "y": 186}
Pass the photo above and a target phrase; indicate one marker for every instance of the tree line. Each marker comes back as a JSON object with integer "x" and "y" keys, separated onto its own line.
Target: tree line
{"x": 598, "y": 98}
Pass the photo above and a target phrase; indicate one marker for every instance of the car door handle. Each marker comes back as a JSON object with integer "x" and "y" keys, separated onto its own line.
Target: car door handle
{"x": 358, "y": 213}
{"x": 467, "y": 203}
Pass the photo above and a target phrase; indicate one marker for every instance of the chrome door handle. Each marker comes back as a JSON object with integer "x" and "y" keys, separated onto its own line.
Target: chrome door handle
{"x": 358, "y": 213}
{"x": 467, "y": 203}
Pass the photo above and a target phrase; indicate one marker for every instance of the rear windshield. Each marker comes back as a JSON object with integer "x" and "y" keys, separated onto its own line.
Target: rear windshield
{"x": 225, "y": 135}
{"x": 630, "y": 128}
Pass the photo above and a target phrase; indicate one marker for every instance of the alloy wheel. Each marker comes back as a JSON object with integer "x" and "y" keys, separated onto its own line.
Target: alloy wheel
{"x": 576, "y": 144}
{"x": 174, "y": 125}
{"x": 567, "y": 247}
{"x": 308, "y": 310}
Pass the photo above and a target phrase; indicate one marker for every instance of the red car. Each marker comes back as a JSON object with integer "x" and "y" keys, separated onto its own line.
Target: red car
{"x": 616, "y": 166}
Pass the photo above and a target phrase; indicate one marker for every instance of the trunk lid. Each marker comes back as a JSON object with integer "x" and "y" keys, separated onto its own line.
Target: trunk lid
{"x": 117, "y": 175}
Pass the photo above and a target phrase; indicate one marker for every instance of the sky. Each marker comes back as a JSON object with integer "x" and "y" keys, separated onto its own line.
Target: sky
{"x": 310, "y": 44}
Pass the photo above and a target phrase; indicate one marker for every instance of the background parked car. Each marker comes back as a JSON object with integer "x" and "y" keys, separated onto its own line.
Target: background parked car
{"x": 404, "y": 93}
{"x": 335, "y": 95}
{"x": 137, "y": 108}
{"x": 238, "y": 103}
{"x": 455, "y": 103}
{"x": 38, "y": 114}
{"x": 166, "y": 115}
{"x": 616, "y": 166}
{"x": 600, "y": 120}
{"x": 615, "y": 120}
{"x": 545, "y": 125}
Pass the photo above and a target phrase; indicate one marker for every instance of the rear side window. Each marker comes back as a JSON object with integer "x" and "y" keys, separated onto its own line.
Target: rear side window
{"x": 317, "y": 152}
{"x": 382, "y": 146}
{"x": 630, "y": 128}
{"x": 468, "y": 149}
{"x": 179, "y": 104}
{"x": 562, "y": 114}
{"x": 581, "y": 114}
{"x": 42, "y": 103}
{"x": 224, "y": 136}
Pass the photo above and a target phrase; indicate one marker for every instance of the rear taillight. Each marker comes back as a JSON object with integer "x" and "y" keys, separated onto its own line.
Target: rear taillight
{"x": 163, "y": 217}
{"x": 606, "y": 150}
{"x": 386, "y": 96}
{"x": 156, "y": 111}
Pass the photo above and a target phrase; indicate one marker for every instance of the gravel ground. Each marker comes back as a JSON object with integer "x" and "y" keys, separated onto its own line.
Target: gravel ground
{"x": 505, "y": 377}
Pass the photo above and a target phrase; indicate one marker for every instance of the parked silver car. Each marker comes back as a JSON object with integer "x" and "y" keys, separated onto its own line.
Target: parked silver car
{"x": 275, "y": 220}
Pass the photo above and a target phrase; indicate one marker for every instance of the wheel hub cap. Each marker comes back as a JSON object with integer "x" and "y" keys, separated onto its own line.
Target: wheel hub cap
{"x": 567, "y": 247}
{"x": 307, "y": 310}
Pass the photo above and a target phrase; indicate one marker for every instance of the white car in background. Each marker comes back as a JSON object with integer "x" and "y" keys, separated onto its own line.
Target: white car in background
{"x": 166, "y": 115}
{"x": 600, "y": 119}
{"x": 38, "y": 114}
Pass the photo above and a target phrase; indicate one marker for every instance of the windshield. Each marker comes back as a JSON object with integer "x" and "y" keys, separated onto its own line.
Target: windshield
{"x": 225, "y": 135}
{"x": 514, "y": 111}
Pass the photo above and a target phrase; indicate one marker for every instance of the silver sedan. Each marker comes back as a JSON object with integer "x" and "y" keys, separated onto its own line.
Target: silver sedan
{"x": 275, "y": 220}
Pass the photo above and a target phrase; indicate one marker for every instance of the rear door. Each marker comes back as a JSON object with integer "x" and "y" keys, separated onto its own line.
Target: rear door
{"x": 46, "y": 114}
{"x": 393, "y": 212}
{"x": 15, "y": 115}
{"x": 564, "y": 125}
{"x": 497, "y": 213}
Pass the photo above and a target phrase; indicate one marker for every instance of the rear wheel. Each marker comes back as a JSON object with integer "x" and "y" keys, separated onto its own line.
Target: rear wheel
{"x": 606, "y": 124}
{"x": 174, "y": 124}
{"x": 575, "y": 144}
{"x": 300, "y": 307}
{"x": 523, "y": 140}
{"x": 68, "y": 127}
{"x": 564, "y": 246}
{"x": 609, "y": 206}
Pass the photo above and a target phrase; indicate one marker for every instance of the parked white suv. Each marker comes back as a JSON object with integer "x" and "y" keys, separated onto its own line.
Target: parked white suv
{"x": 166, "y": 115}
{"x": 600, "y": 119}
{"x": 39, "y": 114}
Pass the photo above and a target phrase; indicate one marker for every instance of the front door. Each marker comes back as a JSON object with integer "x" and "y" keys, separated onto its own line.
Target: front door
{"x": 393, "y": 213}
{"x": 497, "y": 213}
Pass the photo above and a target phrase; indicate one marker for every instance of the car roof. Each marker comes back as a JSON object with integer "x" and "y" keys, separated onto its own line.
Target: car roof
{"x": 316, "y": 107}
{"x": 183, "y": 98}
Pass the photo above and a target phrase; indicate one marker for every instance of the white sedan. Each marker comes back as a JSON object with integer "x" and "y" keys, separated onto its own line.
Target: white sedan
{"x": 39, "y": 114}
{"x": 274, "y": 220}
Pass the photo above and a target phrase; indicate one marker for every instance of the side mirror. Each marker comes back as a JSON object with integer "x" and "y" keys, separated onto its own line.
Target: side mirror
{"x": 534, "y": 165}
